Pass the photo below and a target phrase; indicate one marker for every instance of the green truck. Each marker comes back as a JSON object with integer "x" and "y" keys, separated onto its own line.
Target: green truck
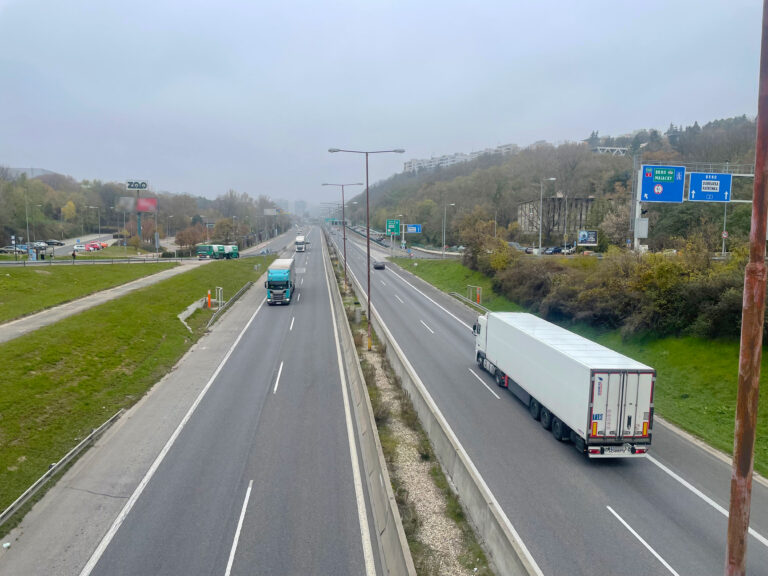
{"x": 217, "y": 251}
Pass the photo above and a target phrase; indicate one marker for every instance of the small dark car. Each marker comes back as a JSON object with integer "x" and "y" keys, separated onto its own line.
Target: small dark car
{"x": 378, "y": 265}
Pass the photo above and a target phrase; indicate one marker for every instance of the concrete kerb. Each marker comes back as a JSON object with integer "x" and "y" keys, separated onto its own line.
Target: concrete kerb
{"x": 393, "y": 546}
{"x": 507, "y": 550}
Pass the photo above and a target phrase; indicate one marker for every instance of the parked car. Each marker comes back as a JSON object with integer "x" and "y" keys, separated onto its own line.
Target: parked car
{"x": 54, "y": 243}
{"x": 103, "y": 244}
{"x": 530, "y": 250}
{"x": 378, "y": 265}
{"x": 92, "y": 246}
{"x": 41, "y": 245}
{"x": 569, "y": 249}
{"x": 10, "y": 250}
{"x": 79, "y": 248}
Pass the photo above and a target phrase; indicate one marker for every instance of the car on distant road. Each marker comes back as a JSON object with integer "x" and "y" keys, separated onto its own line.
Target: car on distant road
{"x": 103, "y": 244}
{"x": 553, "y": 250}
{"x": 569, "y": 249}
{"x": 378, "y": 265}
{"x": 10, "y": 250}
{"x": 530, "y": 250}
{"x": 79, "y": 248}
{"x": 54, "y": 243}
{"x": 42, "y": 245}
{"x": 92, "y": 246}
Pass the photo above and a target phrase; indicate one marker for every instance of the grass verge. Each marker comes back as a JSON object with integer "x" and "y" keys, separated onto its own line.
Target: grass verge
{"x": 63, "y": 380}
{"x": 27, "y": 290}
{"x": 696, "y": 379}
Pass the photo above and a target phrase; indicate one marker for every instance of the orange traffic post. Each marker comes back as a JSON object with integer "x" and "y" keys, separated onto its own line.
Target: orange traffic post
{"x": 209, "y": 298}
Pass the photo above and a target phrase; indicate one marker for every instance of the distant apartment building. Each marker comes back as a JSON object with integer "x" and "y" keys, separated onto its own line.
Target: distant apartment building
{"x": 442, "y": 161}
{"x": 299, "y": 207}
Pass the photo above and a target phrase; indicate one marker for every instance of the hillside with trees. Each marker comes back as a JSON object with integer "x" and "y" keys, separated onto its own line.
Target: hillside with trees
{"x": 492, "y": 187}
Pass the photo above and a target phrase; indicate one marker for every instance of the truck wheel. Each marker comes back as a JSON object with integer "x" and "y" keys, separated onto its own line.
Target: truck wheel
{"x": 559, "y": 430}
{"x": 545, "y": 418}
{"x": 499, "y": 378}
{"x": 534, "y": 408}
{"x": 480, "y": 361}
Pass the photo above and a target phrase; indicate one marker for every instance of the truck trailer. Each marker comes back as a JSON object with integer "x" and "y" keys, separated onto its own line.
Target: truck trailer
{"x": 301, "y": 244}
{"x": 600, "y": 400}
{"x": 279, "y": 282}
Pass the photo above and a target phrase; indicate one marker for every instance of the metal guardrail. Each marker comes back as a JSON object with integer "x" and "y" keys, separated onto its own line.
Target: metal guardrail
{"x": 227, "y": 304}
{"x": 85, "y": 261}
{"x": 468, "y": 301}
{"x": 32, "y": 490}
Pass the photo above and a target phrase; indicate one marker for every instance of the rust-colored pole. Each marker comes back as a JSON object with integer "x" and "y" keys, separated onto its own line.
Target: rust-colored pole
{"x": 752, "y": 318}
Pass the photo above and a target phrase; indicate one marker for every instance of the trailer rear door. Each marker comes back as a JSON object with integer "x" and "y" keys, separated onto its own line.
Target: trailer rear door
{"x": 621, "y": 405}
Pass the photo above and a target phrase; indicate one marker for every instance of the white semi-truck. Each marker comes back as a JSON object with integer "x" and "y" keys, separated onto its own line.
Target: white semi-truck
{"x": 301, "y": 244}
{"x": 600, "y": 400}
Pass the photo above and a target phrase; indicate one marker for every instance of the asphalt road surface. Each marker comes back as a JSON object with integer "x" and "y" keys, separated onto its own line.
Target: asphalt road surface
{"x": 661, "y": 515}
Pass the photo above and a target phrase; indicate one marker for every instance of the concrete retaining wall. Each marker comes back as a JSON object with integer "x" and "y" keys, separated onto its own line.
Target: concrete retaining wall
{"x": 390, "y": 537}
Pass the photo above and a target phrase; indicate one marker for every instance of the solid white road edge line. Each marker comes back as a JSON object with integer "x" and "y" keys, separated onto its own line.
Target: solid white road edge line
{"x": 400, "y": 299}
{"x": 237, "y": 532}
{"x": 759, "y": 537}
{"x": 643, "y": 542}
{"x": 484, "y": 384}
{"x": 362, "y": 514}
{"x": 277, "y": 380}
{"x": 292, "y": 319}
{"x": 427, "y": 327}
{"x": 495, "y": 503}
{"x": 91, "y": 564}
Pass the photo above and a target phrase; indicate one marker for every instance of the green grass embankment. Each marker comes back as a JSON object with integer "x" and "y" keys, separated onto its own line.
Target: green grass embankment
{"x": 27, "y": 290}
{"x": 696, "y": 379}
{"x": 61, "y": 381}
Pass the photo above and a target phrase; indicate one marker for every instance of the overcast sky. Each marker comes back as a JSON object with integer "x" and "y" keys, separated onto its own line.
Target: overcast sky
{"x": 203, "y": 97}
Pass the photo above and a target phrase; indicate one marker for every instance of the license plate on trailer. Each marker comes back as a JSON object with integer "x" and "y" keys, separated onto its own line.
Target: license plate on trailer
{"x": 624, "y": 449}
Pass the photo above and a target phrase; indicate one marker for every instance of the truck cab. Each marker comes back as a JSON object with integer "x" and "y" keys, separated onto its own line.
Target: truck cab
{"x": 279, "y": 282}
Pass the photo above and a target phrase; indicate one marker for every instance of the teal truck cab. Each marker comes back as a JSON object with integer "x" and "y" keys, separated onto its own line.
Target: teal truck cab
{"x": 279, "y": 282}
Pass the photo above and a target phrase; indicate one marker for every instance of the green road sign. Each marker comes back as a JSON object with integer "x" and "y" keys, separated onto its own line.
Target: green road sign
{"x": 393, "y": 227}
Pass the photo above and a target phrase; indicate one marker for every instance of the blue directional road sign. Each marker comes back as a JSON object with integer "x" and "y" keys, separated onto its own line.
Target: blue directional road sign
{"x": 413, "y": 228}
{"x": 709, "y": 187}
{"x": 662, "y": 184}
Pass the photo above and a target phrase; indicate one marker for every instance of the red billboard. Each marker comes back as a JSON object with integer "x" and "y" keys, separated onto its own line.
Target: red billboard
{"x": 146, "y": 204}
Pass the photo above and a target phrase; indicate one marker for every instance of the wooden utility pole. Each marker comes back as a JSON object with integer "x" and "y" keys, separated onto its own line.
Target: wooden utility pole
{"x": 750, "y": 355}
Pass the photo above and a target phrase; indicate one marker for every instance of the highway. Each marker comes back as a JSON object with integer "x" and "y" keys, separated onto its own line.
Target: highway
{"x": 656, "y": 516}
{"x": 260, "y": 475}
{"x": 260, "y": 481}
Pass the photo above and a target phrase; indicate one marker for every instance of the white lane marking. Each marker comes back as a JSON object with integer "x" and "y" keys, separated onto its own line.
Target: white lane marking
{"x": 97, "y": 554}
{"x": 302, "y": 281}
{"x": 239, "y": 527}
{"x": 277, "y": 380}
{"x": 370, "y": 568}
{"x": 484, "y": 384}
{"x": 401, "y": 300}
{"x": 292, "y": 319}
{"x": 383, "y": 283}
{"x": 298, "y": 298}
{"x": 427, "y": 327}
{"x": 467, "y": 326}
{"x": 643, "y": 542}
{"x": 759, "y": 537}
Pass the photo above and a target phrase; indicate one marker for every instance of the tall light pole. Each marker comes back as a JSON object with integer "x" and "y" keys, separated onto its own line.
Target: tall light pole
{"x": 541, "y": 205}
{"x": 402, "y": 230}
{"x": 98, "y": 211}
{"x": 445, "y": 213}
{"x": 367, "y": 220}
{"x": 168, "y": 231}
{"x": 344, "y": 222}
{"x": 234, "y": 235}
{"x": 34, "y": 233}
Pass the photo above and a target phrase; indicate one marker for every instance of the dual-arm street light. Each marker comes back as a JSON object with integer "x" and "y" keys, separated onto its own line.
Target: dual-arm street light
{"x": 541, "y": 205}
{"x": 344, "y": 223}
{"x": 367, "y": 220}
{"x": 445, "y": 212}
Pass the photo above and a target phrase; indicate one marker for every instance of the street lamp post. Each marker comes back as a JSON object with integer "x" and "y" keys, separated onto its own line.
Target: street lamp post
{"x": 367, "y": 220}
{"x": 402, "y": 229}
{"x": 34, "y": 233}
{"x": 445, "y": 213}
{"x": 344, "y": 223}
{"x": 98, "y": 211}
{"x": 541, "y": 205}
{"x": 168, "y": 230}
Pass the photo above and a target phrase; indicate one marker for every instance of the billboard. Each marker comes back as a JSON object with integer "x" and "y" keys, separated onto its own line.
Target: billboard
{"x": 126, "y": 203}
{"x": 587, "y": 238}
{"x": 146, "y": 204}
